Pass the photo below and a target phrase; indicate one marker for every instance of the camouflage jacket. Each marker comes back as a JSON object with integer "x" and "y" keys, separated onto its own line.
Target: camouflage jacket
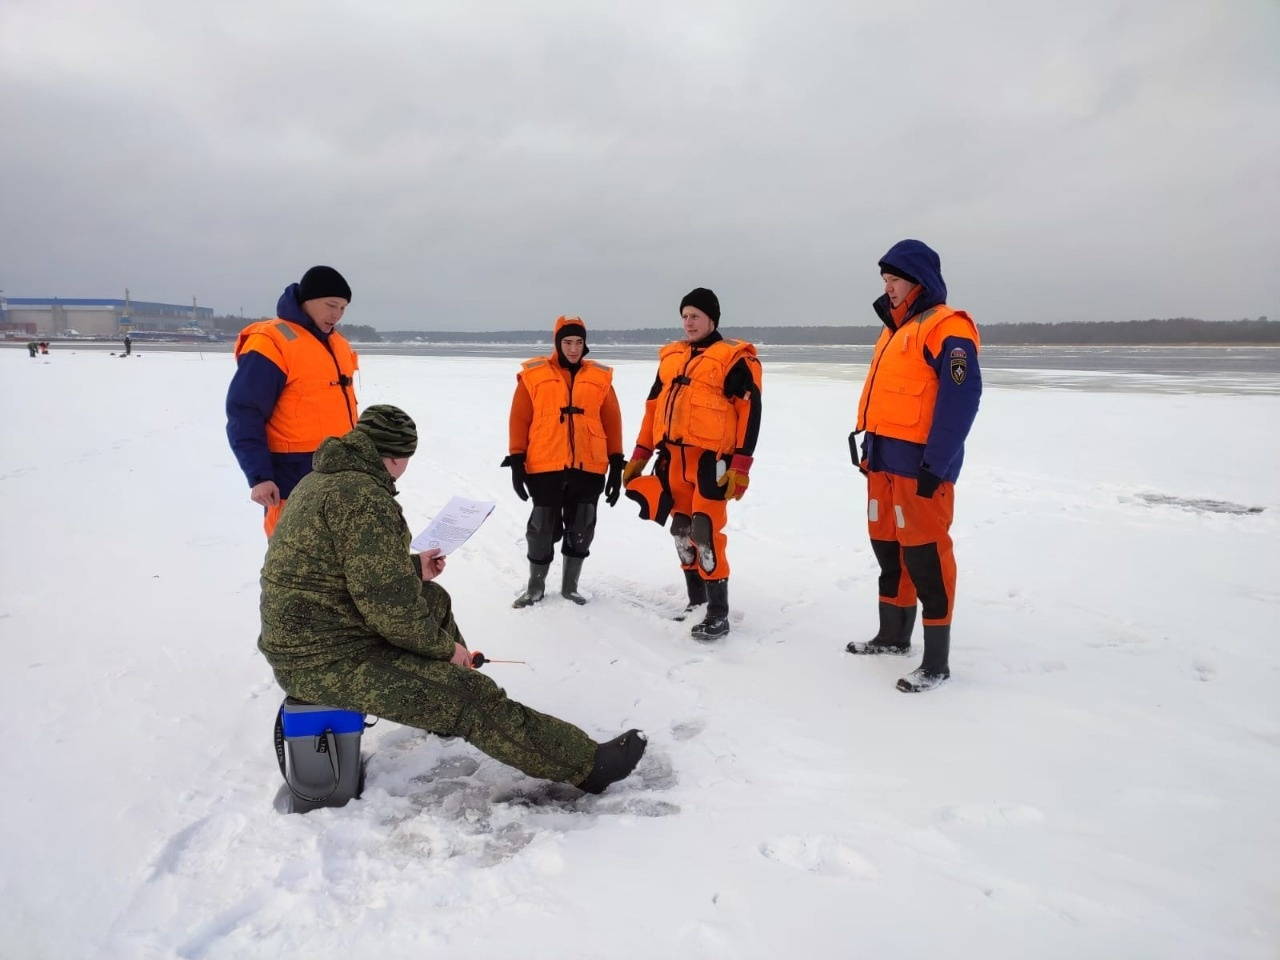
{"x": 338, "y": 578}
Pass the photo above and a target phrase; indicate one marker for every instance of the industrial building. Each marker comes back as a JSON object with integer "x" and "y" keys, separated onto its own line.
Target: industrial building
{"x": 70, "y": 317}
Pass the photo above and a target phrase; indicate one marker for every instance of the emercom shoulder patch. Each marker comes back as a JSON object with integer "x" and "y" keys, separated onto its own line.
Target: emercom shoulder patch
{"x": 959, "y": 367}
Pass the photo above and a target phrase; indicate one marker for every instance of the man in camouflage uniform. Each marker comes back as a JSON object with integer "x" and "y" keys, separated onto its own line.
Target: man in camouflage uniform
{"x": 352, "y": 620}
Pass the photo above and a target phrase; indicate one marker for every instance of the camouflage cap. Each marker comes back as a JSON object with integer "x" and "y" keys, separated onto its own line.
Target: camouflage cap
{"x": 392, "y": 430}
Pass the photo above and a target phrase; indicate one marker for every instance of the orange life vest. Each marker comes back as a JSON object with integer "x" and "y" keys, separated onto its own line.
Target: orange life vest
{"x": 901, "y": 388}
{"x": 319, "y": 398}
{"x": 692, "y": 409}
{"x": 567, "y": 429}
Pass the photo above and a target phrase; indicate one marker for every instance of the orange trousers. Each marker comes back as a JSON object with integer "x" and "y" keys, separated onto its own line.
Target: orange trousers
{"x": 911, "y": 538}
{"x": 706, "y": 515}
{"x": 271, "y": 518}
{"x": 683, "y": 486}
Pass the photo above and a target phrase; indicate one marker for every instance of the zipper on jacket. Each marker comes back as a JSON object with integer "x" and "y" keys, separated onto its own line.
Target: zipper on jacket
{"x": 573, "y": 446}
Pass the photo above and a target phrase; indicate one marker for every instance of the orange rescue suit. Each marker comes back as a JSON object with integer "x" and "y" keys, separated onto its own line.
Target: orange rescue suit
{"x": 692, "y": 409}
{"x": 899, "y": 394}
{"x": 567, "y": 429}
{"x": 318, "y": 400}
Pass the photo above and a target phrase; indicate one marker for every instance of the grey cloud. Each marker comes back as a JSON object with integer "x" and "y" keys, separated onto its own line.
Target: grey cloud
{"x": 495, "y": 164}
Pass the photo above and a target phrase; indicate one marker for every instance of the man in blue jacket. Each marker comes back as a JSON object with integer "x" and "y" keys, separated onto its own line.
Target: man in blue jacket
{"x": 292, "y": 389}
{"x": 919, "y": 401}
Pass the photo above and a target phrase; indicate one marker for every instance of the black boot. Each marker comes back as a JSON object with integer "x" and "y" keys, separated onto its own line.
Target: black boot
{"x": 716, "y": 622}
{"x": 934, "y": 670}
{"x": 896, "y": 624}
{"x": 615, "y": 760}
{"x": 569, "y": 585}
{"x": 697, "y": 588}
{"x": 537, "y": 585}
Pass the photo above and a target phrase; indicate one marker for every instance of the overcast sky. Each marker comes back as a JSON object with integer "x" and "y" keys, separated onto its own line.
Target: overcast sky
{"x": 478, "y": 165}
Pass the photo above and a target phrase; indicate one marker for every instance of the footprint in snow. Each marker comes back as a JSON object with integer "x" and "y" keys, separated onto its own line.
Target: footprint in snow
{"x": 990, "y": 814}
{"x": 688, "y": 729}
{"x": 201, "y": 847}
{"x": 820, "y": 854}
{"x": 1205, "y": 671}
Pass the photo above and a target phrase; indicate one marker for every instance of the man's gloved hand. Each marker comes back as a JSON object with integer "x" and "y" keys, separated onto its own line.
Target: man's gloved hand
{"x": 613, "y": 485}
{"x": 635, "y": 466}
{"x": 735, "y": 479}
{"x": 518, "y": 477}
{"x": 927, "y": 483}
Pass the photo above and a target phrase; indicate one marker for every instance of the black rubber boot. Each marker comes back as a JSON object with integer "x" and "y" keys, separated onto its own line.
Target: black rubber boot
{"x": 541, "y": 533}
{"x": 537, "y": 587}
{"x": 934, "y": 671}
{"x": 615, "y": 760}
{"x": 697, "y": 588}
{"x": 716, "y": 622}
{"x": 569, "y": 585}
{"x": 894, "y": 638}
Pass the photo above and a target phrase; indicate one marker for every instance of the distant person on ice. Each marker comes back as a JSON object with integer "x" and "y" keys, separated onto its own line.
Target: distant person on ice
{"x": 918, "y": 402}
{"x": 292, "y": 388}
{"x": 128, "y": 345}
{"x": 564, "y": 435}
{"x": 352, "y": 620}
{"x": 702, "y": 419}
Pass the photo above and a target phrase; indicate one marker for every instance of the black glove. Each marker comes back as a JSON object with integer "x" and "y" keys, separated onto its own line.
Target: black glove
{"x": 613, "y": 485}
{"x": 927, "y": 483}
{"x": 518, "y": 477}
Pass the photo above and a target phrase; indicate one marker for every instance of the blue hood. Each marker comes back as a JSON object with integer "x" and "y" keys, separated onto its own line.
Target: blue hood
{"x": 288, "y": 308}
{"x": 915, "y": 260}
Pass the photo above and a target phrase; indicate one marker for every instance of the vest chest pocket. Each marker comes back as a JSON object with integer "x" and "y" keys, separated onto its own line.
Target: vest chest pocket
{"x": 708, "y": 420}
{"x": 900, "y": 401}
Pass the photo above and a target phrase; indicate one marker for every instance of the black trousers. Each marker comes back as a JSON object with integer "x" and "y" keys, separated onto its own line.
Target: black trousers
{"x": 564, "y": 507}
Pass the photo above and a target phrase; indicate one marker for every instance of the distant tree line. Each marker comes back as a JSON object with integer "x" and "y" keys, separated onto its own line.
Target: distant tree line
{"x": 1178, "y": 330}
{"x": 1134, "y": 332}
{"x": 230, "y": 325}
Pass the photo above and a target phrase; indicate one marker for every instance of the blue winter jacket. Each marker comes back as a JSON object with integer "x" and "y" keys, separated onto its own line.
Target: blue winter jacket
{"x": 957, "y": 404}
{"x": 251, "y": 399}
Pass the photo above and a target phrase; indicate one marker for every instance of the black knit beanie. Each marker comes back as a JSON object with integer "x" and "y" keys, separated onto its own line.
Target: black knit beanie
{"x": 571, "y": 330}
{"x": 323, "y": 282}
{"x": 705, "y": 300}
{"x": 392, "y": 430}
{"x": 896, "y": 272}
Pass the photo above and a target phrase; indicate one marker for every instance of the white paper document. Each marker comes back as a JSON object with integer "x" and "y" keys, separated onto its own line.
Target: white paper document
{"x": 453, "y": 525}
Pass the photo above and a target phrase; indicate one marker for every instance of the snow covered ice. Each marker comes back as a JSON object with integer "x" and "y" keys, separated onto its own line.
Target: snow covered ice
{"x": 1098, "y": 779}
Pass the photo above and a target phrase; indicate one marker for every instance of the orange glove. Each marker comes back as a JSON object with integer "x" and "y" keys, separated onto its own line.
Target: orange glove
{"x": 635, "y": 466}
{"x": 735, "y": 479}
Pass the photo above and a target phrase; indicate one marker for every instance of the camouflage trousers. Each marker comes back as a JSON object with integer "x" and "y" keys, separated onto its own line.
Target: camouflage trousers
{"x": 453, "y": 702}
{"x": 450, "y": 701}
